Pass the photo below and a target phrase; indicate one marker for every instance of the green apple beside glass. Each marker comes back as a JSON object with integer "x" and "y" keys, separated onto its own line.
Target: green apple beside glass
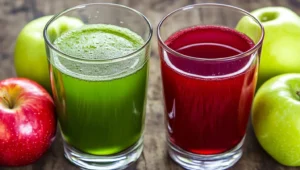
{"x": 281, "y": 47}
{"x": 30, "y": 54}
{"x": 276, "y": 118}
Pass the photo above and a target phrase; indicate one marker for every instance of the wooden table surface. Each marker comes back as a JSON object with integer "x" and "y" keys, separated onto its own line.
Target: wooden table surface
{"x": 14, "y": 14}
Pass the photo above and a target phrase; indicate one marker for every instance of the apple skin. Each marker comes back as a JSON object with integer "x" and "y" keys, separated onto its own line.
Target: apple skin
{"x": 30, "y": 58}
{"x": 276, "y": 118}
{"x": 27, "y": 121}
{"x": 281, "y": 47}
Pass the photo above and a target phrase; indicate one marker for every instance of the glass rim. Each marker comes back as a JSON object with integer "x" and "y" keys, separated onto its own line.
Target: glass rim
{"x": 198, "y": 5}
{"x": 121, "y": 58}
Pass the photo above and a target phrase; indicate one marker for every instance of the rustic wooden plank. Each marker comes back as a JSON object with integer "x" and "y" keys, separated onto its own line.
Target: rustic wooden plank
{"x": 15, "y": 14}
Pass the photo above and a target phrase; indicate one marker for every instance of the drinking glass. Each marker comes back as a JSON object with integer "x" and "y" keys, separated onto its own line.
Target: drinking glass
{"x": 209, "y": 74}
{"x": 100, "y": 103}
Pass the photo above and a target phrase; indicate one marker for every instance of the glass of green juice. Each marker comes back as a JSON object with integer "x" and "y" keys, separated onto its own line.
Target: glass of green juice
{"x": 98, "y": 60}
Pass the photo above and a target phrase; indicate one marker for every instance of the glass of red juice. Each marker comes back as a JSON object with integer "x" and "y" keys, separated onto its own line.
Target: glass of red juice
{"x": 209, "y": 73}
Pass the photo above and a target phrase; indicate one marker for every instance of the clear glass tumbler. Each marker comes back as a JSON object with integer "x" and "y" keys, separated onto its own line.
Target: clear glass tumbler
{"x": 98, "y": 59}
{"x": 209, "y": 74}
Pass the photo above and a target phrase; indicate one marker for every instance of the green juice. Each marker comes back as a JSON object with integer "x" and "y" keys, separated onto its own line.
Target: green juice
{"x": 100, "y": 105}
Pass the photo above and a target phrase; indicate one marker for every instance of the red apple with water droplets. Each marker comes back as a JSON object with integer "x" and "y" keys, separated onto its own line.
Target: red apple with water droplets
{"x": 27, "y": 121}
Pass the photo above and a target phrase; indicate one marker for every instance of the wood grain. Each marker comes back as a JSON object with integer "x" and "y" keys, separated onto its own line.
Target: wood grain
{"x": 14, "y": 14}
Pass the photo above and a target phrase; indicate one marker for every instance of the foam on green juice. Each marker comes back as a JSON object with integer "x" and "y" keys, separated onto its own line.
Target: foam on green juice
{"x": 99, "y": 42}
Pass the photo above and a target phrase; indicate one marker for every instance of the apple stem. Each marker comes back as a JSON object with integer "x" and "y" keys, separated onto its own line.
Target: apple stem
{"x": 298, "y": 93}
{"x": 9, "y": 104}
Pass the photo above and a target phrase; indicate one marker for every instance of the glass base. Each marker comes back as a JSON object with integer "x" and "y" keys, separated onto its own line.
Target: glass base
{"x": 110, "y": 162}
{"x": 190, "y": 160}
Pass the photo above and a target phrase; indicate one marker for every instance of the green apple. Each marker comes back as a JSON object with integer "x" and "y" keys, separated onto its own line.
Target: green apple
{"x": 281, "y": 45}
{"x": 30, "y": 57}
{"x": 276, "y": 118}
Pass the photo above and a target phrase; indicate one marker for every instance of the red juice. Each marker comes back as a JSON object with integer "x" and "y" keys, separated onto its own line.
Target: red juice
{"x": 207, "y": 103}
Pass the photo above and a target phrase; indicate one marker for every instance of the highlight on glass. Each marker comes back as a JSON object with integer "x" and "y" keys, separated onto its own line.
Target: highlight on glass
{"x": 99, "y": 73}
{"x": 209, "y": 73}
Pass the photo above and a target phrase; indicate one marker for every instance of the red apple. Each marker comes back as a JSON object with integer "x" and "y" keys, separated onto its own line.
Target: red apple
{"x": 27, "y": 121}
